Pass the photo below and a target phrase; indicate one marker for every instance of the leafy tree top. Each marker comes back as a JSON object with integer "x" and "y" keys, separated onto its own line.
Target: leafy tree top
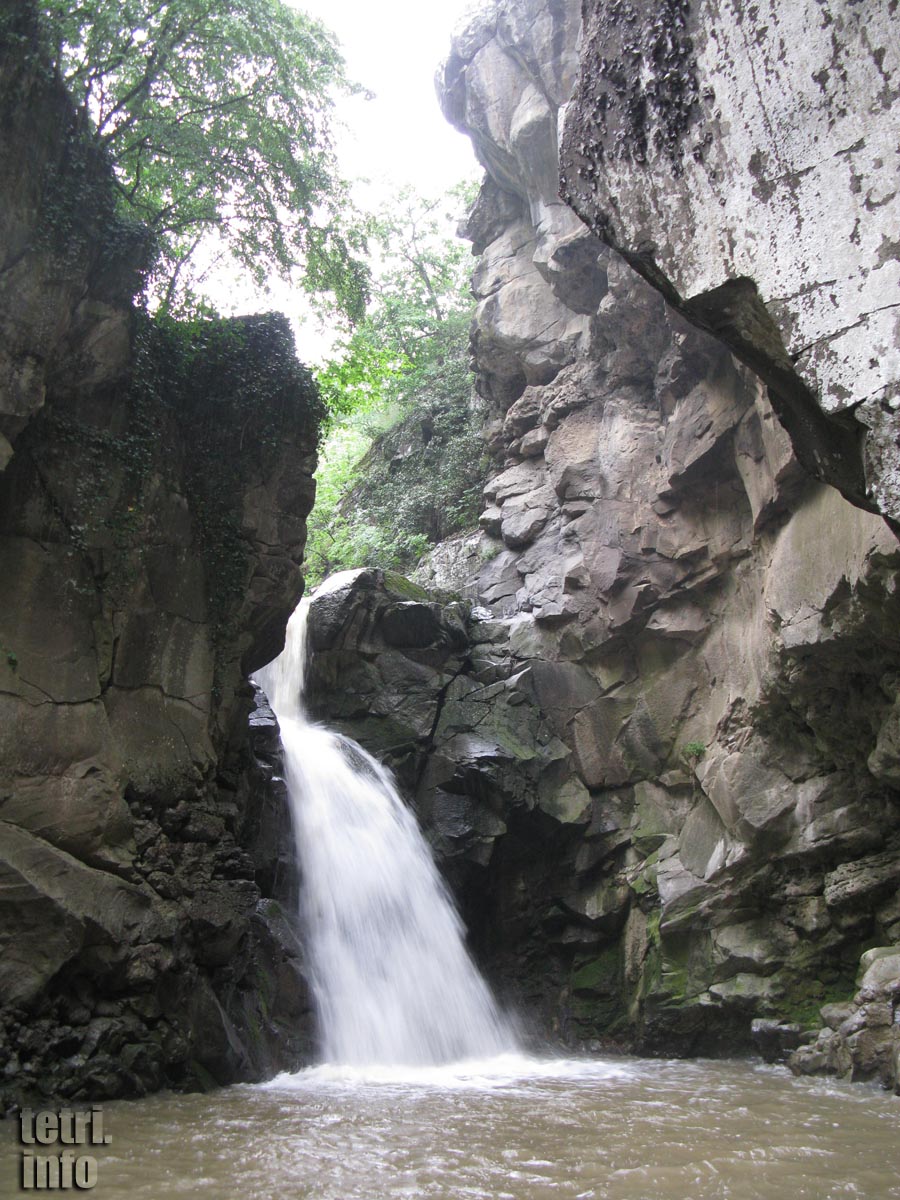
{"x": 420, "y": 301}
{"x": 216, "y": 116}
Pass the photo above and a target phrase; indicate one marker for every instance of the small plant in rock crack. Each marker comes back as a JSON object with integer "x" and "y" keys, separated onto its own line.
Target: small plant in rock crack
{"x": 692, "y": 752}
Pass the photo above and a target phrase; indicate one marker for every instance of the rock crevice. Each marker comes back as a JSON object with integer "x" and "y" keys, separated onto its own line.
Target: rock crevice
{"x": 761, "y": 200}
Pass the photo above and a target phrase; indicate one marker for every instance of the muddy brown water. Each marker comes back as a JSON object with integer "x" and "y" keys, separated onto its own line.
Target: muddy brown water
{"x": 512, "y": 1129}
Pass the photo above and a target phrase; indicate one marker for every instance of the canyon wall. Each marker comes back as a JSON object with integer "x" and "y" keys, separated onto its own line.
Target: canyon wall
{"x": 744, "y": 158}
{"x": 648, "y": 713}
{"x": 654, "y": 740}
{"x": 151, "y": 529}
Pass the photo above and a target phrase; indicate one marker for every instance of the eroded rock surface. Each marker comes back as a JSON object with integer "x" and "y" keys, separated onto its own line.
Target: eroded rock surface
{"x": 744, "y": 159}
{"x": 860, "y": 1039}
{"x": 663, "y": 775}
{"x": 151, "y": 531}
{"x": 68, "y": 265}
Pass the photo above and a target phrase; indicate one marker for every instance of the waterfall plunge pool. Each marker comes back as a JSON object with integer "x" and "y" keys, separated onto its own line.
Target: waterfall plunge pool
{"x": 510, "y": 1128}
{"x": 394, "y": 983}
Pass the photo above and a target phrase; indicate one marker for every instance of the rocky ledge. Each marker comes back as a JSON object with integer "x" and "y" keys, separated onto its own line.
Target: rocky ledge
{"x": 860, "y": 1039}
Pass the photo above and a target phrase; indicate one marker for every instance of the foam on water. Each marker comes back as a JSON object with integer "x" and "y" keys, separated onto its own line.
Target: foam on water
{"x": 500, "y": 1071}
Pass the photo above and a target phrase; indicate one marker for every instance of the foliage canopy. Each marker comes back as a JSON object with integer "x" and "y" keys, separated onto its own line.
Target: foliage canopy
{"x": 216, "y": 117}
{"x": 419, "y": 294}
{"x": 402, "y": 465}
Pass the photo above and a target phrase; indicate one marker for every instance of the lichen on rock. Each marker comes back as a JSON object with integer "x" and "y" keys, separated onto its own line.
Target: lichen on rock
{"x": 760, "y": 198}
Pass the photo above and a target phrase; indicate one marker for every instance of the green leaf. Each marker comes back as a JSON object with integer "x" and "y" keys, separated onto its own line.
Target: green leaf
{"x": 403, "y": 462}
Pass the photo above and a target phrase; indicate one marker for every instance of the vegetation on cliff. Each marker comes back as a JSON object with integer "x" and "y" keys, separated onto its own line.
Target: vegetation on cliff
{"x": 157, "y": 478}
{"x": 239, "y": 395}
{"x": 402, "y": 464}
{"x": 215, "y": 122}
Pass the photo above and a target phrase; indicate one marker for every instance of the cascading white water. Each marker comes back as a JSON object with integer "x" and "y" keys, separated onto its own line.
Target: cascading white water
{"x": 393, "y": 981}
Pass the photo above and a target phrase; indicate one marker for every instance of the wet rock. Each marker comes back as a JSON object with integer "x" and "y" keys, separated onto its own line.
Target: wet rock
{"x": 828, "y": 1055}
{"x": 335, "y": 606}
{"x": 410, "y": 625}
{"x": 773, "y": 1040}
{"x": 861, "y": 1037}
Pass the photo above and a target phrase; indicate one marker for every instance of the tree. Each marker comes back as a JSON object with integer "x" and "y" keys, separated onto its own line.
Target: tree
{"x": 216, "y": 117}
{"x": 420, "y": 303}
{"x": 403, "y": 463}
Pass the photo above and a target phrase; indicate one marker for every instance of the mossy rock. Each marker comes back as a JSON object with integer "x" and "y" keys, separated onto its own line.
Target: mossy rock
{"x": 645, "y": 881}
{"x": 592, "y": 1015}
{"x": 806, "y": 997}
{"x": 200, "y": 1079}
{"x": 398, "y": 585}
{"x": 602, "y": 974}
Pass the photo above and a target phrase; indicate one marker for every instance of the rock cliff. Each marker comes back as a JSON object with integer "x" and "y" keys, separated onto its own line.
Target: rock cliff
{"x": 653, "y": 735}
{"x": 658, "y": 757}
{"x": 151, "y": 530}
{"x": 744, "y": 159}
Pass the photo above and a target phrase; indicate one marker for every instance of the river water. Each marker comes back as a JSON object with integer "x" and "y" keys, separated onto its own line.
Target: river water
{"x": 515, "y": 1129}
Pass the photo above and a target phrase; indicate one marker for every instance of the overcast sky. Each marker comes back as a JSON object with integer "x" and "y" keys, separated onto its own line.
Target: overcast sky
{"x": 400, "y": 136}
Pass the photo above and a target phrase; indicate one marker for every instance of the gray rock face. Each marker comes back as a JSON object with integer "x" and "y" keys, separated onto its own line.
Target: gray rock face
{"x": 744, "y": 159}
{"x": 151, "y": 546}
{"x": 860, "y": 1040}
{"x": 504, "y": 82}
{"x": 662, "y": 779}
{"x": 64, "y": 315}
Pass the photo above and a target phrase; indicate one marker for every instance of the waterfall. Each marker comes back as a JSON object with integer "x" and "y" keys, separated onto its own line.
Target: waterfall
{"x": 392, "y": 979}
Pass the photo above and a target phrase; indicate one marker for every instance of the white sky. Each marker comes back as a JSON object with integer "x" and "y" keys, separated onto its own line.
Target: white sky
{"x": 393, "y": 48}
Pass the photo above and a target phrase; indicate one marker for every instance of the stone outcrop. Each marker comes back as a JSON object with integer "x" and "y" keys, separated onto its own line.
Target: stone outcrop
{"x": 68, "y": 265}
{"x": 151, "y": 531}
{"x": 663, "y": 775}
{"x": 861, "y": 1038}
{"x": 654, "y": 737}
{"x": 744, "y": 159}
